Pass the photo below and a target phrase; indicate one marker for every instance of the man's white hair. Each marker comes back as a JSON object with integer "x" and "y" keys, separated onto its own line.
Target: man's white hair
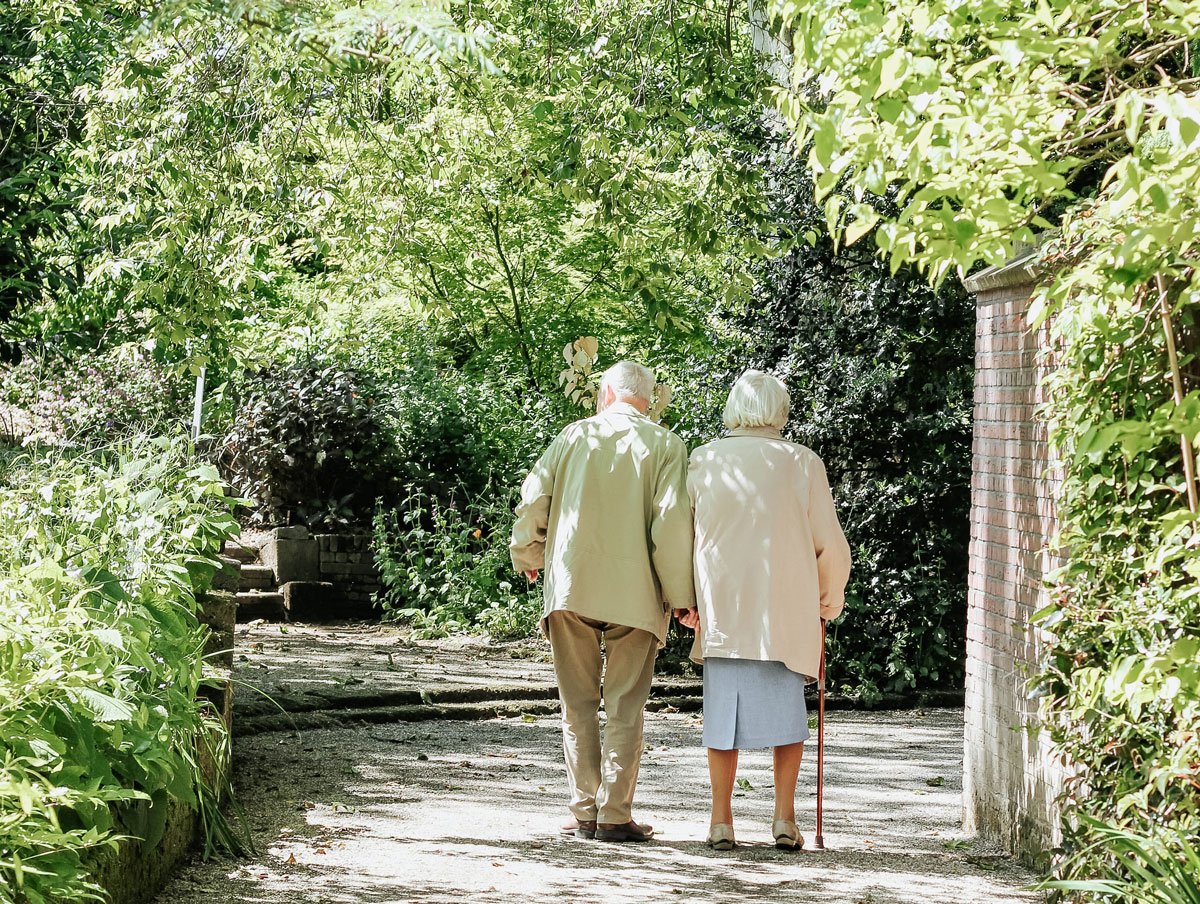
{"x": 628, "y": 379}
{"x": 757, "y": 400}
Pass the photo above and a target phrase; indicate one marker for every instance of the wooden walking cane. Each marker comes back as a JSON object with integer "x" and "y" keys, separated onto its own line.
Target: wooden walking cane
{"x": 819, "y": 839}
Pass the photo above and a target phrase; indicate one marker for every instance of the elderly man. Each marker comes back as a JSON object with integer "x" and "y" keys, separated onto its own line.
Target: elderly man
{"x": 605, "y": 512}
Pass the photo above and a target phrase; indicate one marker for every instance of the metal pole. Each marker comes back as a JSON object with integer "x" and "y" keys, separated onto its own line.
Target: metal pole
{"x": 819, "y": 839}
{"x": 198, "y": 407}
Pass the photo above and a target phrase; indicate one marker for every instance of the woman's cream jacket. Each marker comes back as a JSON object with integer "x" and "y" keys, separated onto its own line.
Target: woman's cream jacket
{"x": 770, "y": 557}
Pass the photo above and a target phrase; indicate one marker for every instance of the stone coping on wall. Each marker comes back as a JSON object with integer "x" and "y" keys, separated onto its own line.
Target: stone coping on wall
{"x": 1024, "y": 268}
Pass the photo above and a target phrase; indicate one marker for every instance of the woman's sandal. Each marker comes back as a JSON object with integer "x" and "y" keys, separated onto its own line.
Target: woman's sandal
{"x": 720, "y": 837}
{"x": 787, "y": 835}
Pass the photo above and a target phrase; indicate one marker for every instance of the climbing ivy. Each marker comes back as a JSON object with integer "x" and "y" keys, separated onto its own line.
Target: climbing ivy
{"x": 986, "y": 124}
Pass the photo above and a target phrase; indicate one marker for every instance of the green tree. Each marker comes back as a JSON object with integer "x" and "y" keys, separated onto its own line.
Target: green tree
{"x": 156, "y": 185}
{"x": 600, "y": 181}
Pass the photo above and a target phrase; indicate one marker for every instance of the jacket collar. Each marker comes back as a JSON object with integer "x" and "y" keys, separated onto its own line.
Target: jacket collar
{"x": 768, "y": 432}
{"x": 622, "y": 408}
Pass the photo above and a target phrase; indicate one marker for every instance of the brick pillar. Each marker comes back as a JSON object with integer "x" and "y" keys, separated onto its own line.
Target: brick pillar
{"x": 1009, "y": 779}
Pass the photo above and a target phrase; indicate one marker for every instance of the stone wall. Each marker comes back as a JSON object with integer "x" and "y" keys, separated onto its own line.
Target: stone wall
{"x": 322, "y": 577}
{"x": 135, "y": 871}
{"x": 348, "y": 563}
{"x": 1010, "y": 780}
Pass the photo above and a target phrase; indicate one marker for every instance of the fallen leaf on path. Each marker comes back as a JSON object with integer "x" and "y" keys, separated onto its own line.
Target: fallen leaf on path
{"x": 744, "y": 784}
{"x": 291, "y": 860}
{"x": 936, "y": 782}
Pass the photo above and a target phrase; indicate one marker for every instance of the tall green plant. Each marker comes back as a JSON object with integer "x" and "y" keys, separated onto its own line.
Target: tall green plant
{"x": 101, "y": 658}
{"x": 1149, "y": 870}
{"x": 445, "y": 567}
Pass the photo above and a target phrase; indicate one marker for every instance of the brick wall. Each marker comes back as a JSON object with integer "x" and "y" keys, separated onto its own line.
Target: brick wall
{"x": 1009, "y": 780}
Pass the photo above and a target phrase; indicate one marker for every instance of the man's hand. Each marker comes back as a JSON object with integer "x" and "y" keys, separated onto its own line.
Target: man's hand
{"x": 532, "y": 576}
{"x": 689, "y": 618}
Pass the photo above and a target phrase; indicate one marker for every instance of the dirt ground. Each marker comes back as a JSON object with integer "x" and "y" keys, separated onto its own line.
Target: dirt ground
{"x": 446, "y": 811}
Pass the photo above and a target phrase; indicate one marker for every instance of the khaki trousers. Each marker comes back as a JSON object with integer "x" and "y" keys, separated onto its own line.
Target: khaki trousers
{"x": 601, "y": 778}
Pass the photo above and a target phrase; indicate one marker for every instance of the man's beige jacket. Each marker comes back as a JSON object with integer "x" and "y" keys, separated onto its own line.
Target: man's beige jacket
{"x": 604, "y": 514}
{"x": 771, "y": 558}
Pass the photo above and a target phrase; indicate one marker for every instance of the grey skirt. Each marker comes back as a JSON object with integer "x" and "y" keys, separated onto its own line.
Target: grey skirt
{"x": 748, "y": 703}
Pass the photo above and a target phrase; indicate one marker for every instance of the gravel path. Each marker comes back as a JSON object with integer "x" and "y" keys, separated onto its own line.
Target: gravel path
{"x": 455, "y": 811}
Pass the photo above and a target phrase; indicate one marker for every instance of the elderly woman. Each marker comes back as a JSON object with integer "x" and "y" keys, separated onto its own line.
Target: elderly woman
{"x": 771, "y": 563}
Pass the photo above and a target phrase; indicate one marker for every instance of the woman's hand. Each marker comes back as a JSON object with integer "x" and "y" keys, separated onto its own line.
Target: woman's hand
{"x": 689, "y": 618}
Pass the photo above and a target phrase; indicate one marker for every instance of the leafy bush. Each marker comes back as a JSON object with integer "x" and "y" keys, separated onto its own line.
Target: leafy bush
{"x": 321, "y": 435}
{"x": 101, "y": 560}
{"x": 310, "y": 443}
{"x": 1156, "y": 869}
{"x": 446, "y": 567}
{"x": 880, "y": 368}
{"x": 101, "y": 398}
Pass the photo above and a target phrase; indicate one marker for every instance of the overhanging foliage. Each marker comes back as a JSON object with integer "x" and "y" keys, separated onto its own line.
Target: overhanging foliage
{"x": 986, "y": 122}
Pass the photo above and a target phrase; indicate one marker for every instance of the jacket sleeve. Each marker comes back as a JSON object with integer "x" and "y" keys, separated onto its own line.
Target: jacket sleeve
{"x": 528, "y": 544}
{"x": 833, "y": 552}
{"x": 671, "y": 535}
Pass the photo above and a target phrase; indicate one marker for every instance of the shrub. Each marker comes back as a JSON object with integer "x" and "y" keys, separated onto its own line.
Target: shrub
{"x": 101, "y": 560}
{"x": 1163, "y": 868}
{"x": 100, "y": 399}
{"x": 319, "y": 437}
{"x": 311, "y": 443}
{"x": 446, "y": 567}
{"x": 1121, "y": 673}
{"x": 880, "y": 368}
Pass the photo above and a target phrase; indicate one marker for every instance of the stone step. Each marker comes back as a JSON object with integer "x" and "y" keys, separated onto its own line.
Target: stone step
{"x": 229, "y": 576}
{"x": 255, "y": 604}
{"x": 257, "y": 577}
{"x": 240, "y": 551}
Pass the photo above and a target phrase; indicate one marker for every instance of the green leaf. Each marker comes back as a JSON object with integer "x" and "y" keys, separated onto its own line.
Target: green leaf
{"x": 103, "y": 706}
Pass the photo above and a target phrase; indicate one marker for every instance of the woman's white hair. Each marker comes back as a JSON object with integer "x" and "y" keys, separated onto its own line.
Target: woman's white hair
{"x": 757, "y": 400}
{"x": 628, "y": 379}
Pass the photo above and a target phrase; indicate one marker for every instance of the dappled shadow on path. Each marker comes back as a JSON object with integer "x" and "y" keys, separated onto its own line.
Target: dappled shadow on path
{"x": 442, "y": 812}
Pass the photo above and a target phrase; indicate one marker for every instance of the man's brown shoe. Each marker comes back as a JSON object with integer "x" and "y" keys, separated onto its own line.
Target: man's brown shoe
{"x": 585, "y": 828}
{"x": 629, "y": 831}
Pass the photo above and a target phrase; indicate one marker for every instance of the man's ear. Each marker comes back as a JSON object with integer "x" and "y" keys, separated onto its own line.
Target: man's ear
{"x": 608, "y": 395}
